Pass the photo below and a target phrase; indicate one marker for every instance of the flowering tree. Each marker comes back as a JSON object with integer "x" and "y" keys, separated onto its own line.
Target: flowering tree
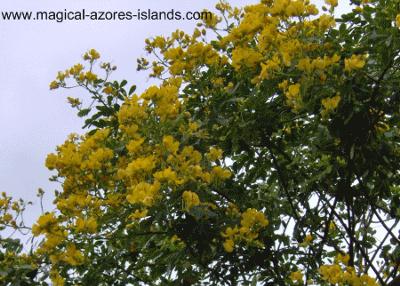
{"x": 267, "y": 155}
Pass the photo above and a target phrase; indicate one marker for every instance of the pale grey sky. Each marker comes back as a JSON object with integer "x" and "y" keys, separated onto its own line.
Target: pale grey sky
{"x": 33, "y": 119}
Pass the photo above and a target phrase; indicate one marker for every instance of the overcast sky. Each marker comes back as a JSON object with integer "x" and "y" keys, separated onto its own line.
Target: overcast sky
{"x": 34, "y": 120}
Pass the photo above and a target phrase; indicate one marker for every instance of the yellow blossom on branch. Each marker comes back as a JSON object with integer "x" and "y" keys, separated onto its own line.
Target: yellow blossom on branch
{"x": 354, "y": 62}
{"x": 296, "y": 276}
{"x": 190, "y": 199}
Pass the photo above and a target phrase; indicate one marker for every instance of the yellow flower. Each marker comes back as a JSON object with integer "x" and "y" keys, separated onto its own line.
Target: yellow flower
{"x": 214, "y": 154}
{"x": 73, "y": 256}
{"x": 305, "y": 65}
{"x": 219, "y": 173}
{"x": 367, "y": 280}
{"x": 293, "y": 98}
{"x": 283, "y": 85}
{"x": 355, "y": 62}
{"x": 76, "y": 69}
{"x": 89, "y": 76}
{"x": 138, "y": 214}
{"x": 190, "y": 199}
{"x": 170, "y": 144}
{"x": 44, "y": 224}
{"x": 230, "y": 232}
{"x": 293, "y": 91}
{"x": 143, "y": 193}
{"x": 174, "y": 53}
{"x": 54, "y": 85}
{"x": 331, "y": 273}
{"x": 167, "y": 175}
{"x": 333, "y": 3}
{"x": 193, "y": 127}
{"x": 141, "y": 164}
{"x": 89, "y": 225}
{"x": 134, "y": 145}
{"x": 269, "y": 66}
{"x": 229, "y": 245}
{"x": 307, "y": 240}
{"x": 73, "y": 101}
{"x": 330, "y": 103}
{"x": 211, "y": 20}
{"x": 279, "y": 6}
{"x": 108, "y": 90}
{"x": 398, "y": 20}
{"x": 250, "y": 225}
{"x": 61, "y": 76}
{"x": 252, "y": 217}
{"x": 245, "y": 57}
{"x": 56, "y": 278}
{"x": 343, "y": 258}
{"x": 7, "y": 217}
{"x": 296, "y": 276}
{"x": 381, "y": 127}
{"x": 295, "y": 8}
{"x": 325, "y": 22}
{"x": 91, "y": 55}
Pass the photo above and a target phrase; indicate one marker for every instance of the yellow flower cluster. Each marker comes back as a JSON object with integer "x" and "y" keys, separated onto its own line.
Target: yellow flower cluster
{"x": 45, "y": 224}
{"x": 91, "y": 55}
{"x": 74, "y": 102}
{"x": 10, "y": 210}
{"x": 78, "y": 73}
{"x": 251, "y": 224}
{"x": 165, "y": 98}
{"x": 218, "y": 173}
{"x": 168, "y": 175}
{"x": 55, "y": 234}
{"x": 214, "y": 154}
{"x": 330, "y": 104}
{"x": 212, "y": 20}
{"x": 270, "y": 37}
{"x": 276, "y": 49}
{"x": 73, "y": 256}
{"x": 245, "y": 57}
{"x": 340, "y": 274}
{"x": 75, "y": 204}
{"x": 293, "y": 96}
{"x": 56, "y": 278}
{"x": 155, "y": 164}
{"x": 143, "y": 193}
{"x": 184, "y": 58}
{"x": 309, "y": 65}
{"x": 82, "y": 164}
{"x": 138, "y": 214}
{"x": 86, "y": 225}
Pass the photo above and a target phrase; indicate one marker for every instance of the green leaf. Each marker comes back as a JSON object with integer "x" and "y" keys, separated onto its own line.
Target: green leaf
{"x": 132, "y": 89}
{"x": 84, "y": 112}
